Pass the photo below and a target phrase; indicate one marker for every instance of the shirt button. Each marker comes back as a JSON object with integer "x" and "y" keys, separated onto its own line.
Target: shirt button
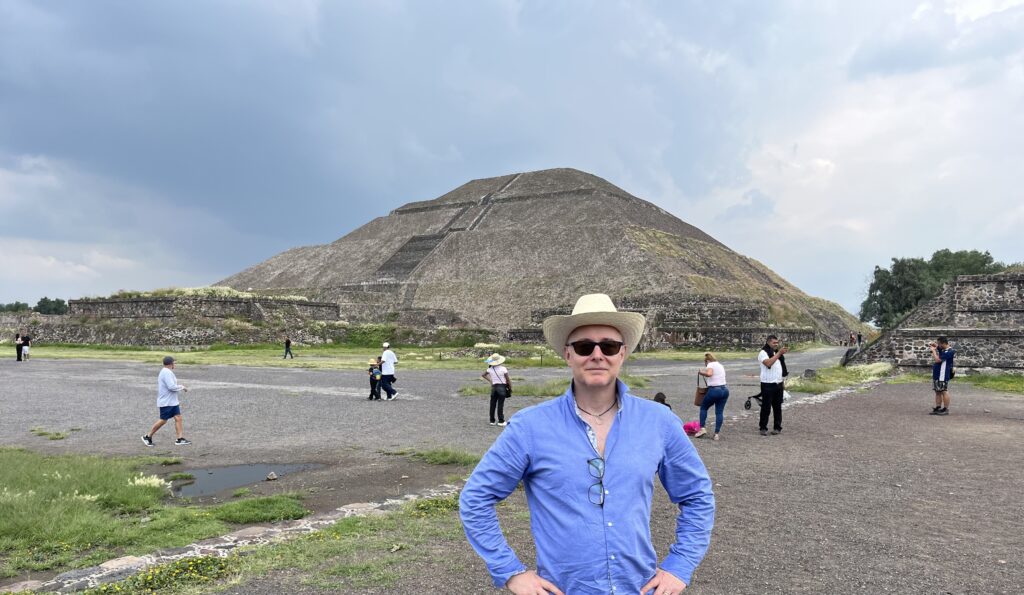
{"x": 613, "y": 556}
{"x": 609, "y": 523}
{"x": 607, "y": 492}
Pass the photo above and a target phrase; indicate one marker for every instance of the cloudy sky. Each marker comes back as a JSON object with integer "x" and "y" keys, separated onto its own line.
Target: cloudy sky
{"x": 155, "y": 144}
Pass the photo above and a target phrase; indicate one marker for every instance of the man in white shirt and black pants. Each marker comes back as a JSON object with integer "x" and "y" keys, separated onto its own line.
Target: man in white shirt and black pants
{"x": 773, "y": 369}
{"x": 388, "y": 359}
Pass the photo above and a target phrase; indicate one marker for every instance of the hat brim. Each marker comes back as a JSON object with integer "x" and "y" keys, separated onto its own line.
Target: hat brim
{"x": 495, "y": 362}
{"x": 631, "y": 324}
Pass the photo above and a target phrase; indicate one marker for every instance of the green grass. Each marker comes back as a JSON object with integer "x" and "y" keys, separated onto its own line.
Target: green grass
{"x": 70, "y": 511}
{"x": 282, "y": 507}
{"x": 1011, "y": 383}
{"x": 353, "y": 555}
{"x": 447, "y": 456}
{"x": 548, "y": 388}
{"x": 687, "y": 354}
{"x": 180, "y": 476}
{"x": 829, "y": 379}
{"x": 241, "y": 492}
{"x": 175, "y": 575}
{"x": 48, "y": 434}
{"x": 337, "y": 357}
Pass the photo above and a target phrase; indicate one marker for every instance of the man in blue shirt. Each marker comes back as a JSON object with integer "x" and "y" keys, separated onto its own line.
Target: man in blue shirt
{"x": 587, "y": 460}
{"x": 942, "y": 373}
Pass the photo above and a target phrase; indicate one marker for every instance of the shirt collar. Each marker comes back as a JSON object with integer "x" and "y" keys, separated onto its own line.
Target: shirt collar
{"x": 621, "y": 390}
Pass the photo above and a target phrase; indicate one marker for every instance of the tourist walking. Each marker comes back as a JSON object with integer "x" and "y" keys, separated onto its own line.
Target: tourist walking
{"x": 18, "y": 345}
{"x": 860, "y": 340}
{"x": 388, "y": 359}
{"x": 942, "y": 373}
{"x": 717, "y": 395}
{"x": 26, "y": 347}
{"x": 773, "y": 372}
{"x": 501, "y": 386}
{"x": 288, "y": 348}
{"x": 588, "y": 461}
{"x": 167, "y": 389}
{"x": 375, "y": 376}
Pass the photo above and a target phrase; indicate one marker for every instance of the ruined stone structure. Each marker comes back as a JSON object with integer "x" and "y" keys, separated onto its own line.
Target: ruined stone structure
{"x": 982, "y": 315}
{"x": 501, "y": 253}
{"x": 252, "y": 309}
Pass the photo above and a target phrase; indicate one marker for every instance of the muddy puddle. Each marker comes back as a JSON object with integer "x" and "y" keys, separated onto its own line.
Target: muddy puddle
{"x": 214, "y": 480}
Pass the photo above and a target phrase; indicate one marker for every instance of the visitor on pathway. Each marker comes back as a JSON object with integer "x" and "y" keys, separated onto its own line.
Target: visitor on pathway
{"x": 388, "y": 359}
{"x": 773, "y": 371}
{"x": 375, "y": 376}
{"x": 588, "y": 460}
{"x": 501, "y": 386}
{"x": 167, "y": 389}
{"x": 717, "y": 395}
{"x": 942, "y": 373}
{"x": 860, "y": 340}
{"x": 288, "y": 348}
{"x": 26, "y": 347}
{"x": 660, "y": 398}
{"x": 17, "y": 346}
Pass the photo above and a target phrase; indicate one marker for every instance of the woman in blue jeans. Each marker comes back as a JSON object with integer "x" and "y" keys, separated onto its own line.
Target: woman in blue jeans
{"x": 717, "y": 395}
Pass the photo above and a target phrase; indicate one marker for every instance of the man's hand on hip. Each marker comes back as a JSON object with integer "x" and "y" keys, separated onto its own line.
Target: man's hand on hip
{"x": 663, "y": 583}
{"x": 529, "y": 583}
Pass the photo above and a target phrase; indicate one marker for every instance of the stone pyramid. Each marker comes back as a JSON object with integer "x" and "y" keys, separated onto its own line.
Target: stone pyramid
{"x": 501, "y": 253}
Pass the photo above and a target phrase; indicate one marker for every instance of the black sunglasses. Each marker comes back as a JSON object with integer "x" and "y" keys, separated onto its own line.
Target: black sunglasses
{"x": 596, "y": 491}
{"x": 586, "y": 347}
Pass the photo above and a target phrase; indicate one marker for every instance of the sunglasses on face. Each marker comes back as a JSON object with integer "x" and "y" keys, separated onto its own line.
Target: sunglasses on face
{"x": 585, "y": 347}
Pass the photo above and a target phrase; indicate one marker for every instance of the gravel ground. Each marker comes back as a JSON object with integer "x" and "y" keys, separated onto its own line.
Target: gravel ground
{"x": 862, "y": 493}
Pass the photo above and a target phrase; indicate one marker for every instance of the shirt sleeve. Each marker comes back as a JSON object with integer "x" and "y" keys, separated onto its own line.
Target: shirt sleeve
{"x": 495, "y": 477}
{"x": 686, "y": 480}
{"x": 762, "y": 355}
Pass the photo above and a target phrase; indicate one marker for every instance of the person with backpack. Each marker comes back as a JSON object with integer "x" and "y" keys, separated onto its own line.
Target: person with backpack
{"x": 501, "y": 386}
{"x": 375, "y": 376}
{"x": 942, "y": 373}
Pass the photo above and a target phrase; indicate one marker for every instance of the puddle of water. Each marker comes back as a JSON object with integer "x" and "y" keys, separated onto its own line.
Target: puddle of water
{"x": 213, "y": 480}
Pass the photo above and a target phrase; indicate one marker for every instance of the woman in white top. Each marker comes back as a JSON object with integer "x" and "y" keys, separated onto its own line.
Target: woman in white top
{"x": 501, "y": 386}
{"x": 717, "y": 395}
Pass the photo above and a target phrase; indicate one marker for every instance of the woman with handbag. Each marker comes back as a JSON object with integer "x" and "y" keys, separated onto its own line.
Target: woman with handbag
{"x": 501, "y": 386}
{"x": 716, "y": 395}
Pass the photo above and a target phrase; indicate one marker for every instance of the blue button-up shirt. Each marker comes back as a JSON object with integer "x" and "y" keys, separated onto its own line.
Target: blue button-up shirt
{"x": 584, "y": 547}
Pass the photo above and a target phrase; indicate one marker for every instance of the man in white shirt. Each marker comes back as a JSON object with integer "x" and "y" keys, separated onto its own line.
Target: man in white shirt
{"x": 773, "y": 366}
{"x": 167, "y": 389}
{"x": 388, "y": 359}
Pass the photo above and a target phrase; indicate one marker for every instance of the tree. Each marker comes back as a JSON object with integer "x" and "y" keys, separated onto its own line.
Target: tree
{"x": 48, "y": 306}
{"x": 896, "y": 291}
{"x": 14, "y": 307}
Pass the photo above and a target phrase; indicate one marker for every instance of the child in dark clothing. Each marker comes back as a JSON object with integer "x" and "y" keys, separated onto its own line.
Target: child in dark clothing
{"x": 375, "y": 375}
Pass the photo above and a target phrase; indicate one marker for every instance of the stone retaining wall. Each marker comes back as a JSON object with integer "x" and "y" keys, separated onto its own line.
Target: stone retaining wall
{"x": 975, "y": 348}
{"x": 169, "y": 307}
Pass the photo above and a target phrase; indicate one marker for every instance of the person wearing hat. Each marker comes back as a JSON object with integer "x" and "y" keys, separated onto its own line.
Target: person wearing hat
{"x": 375, "y": 376}
{"x": 587, "y": 460}
{"x": 388, "y": 359}
{"x": 167, "y": 389}
{"x": 501, "y": 386}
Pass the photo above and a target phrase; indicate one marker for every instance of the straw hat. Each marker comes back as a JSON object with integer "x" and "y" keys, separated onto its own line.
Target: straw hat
{"x": 373, "y": 361}
{"x": 594, "y": 309}
{"x": 495, "y": 360}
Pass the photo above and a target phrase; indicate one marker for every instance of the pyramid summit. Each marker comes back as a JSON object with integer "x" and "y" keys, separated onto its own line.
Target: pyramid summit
{"x": 501, "y": 253}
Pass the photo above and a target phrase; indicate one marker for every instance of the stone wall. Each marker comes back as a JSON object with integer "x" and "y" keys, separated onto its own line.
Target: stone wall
{"x": 193, "y": 307}
{"x": 982, "y": 315}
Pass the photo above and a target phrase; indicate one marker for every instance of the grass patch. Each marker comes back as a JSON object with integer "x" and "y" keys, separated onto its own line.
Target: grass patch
{"x": 447, "y": 456}
{"x": 180, "y": 476}
{"x": 48, "y": 434}
{"x": 1011, "y": 383}
{"x": 353, "y": 555}
{"x": 829, "y": 379}
{"x": 241, "y": 492}
{"x": 283, "y": 507}
{"x": 691, "y": 355}
{"x": 70, "y": 511}
{"x": 548, "y": 388}
{"x": 176, "y": 575}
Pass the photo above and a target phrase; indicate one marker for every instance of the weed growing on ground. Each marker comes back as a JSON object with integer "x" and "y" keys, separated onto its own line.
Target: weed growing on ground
{"x": 180, "y": 476}
{"x": 282, "y": 507}
{"x": 48, "y": 434}
{"x": 447, "y": 456}
{"x": 1011, "y": 383}
{"x": 241, "y": 492}
{"x": 177, "y": 574}
{"x": 829, "y": 379}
